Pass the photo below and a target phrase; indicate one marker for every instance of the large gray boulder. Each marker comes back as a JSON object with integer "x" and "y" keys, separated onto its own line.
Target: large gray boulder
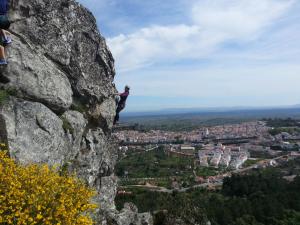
{"x": 37, "y": 78}
{"x": 66, "y": 33}
{"x": 129, "y": 216}
{"x": 34, "y": 133}
{"x": 61, "y": 109}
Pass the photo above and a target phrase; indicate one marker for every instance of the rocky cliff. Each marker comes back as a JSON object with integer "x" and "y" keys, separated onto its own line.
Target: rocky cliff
{"x": 61, "y": 105}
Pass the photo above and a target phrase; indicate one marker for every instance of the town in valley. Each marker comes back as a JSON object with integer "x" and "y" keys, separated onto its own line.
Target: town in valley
{"x": 164, "y": 161}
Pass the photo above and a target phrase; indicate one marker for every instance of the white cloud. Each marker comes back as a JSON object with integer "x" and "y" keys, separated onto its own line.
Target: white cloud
{"x": 157, "y": 43}
{"x": 238, "y": 18}
{"x": 213, "y": 22}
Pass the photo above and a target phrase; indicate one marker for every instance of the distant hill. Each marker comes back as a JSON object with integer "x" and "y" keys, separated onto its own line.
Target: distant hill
{"x": 253, "y": 110}
{"x": 187, "y": 119}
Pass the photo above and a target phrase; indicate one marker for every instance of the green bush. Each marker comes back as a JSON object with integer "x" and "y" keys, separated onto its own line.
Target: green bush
{"x": 4, "y": 94}
{"x": 66, "y": 125}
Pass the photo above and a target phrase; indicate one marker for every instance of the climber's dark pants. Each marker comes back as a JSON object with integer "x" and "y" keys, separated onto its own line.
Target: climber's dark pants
{"x": 4, "y": 22}
{"x": 119, "y": 109}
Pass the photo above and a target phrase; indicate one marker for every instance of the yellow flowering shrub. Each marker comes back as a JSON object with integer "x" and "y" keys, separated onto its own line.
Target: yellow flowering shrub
{"x": 37, "y": 194}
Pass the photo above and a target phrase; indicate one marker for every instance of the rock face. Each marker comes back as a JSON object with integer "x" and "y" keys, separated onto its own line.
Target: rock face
{"x": 61, "y": 105}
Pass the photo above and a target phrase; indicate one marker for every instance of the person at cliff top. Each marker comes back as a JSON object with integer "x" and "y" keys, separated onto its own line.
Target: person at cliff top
{"x": 4, "y": 26}
{"x": 121, "y": 103}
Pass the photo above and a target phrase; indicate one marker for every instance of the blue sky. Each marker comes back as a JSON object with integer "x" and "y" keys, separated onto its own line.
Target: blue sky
{"x": 203, "y": 53}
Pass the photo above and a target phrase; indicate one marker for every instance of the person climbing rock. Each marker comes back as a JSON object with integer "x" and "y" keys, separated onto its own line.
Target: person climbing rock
{"x": 4, "y": 26}
{"x": 121, "y": 103}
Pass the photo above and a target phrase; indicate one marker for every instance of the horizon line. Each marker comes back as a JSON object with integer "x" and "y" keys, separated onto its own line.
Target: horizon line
{"x": 215, "y": 108}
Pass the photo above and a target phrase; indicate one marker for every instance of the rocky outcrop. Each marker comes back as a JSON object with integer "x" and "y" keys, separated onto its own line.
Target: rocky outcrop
{"x": 129, "y": 215}
{"x": 61, "y": 105}
{"x": 35, "y": 133}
